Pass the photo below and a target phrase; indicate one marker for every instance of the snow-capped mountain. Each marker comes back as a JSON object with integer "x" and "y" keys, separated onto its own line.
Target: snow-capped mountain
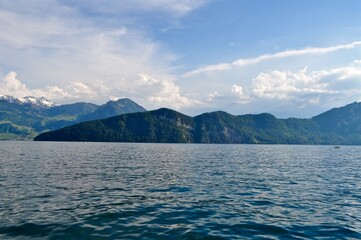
{"x": 23, "y": 118}
{"x": 8, "y": 98}
{"x": 40, "y": 102}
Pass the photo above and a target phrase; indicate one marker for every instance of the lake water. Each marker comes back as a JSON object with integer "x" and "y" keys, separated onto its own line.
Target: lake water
{"x": 178, "y": 191}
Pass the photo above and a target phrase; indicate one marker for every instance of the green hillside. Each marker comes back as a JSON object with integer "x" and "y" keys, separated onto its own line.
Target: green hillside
{"x": 165, "y": 125}
{"x": 24, "y": 121}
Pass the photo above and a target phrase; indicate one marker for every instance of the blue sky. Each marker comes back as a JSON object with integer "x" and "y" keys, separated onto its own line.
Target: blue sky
{"x": 287, "y": 57}
{"x": 233, "y": 29}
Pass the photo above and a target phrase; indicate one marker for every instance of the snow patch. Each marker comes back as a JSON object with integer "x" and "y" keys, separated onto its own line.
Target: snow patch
{"x": 40, "y": 102}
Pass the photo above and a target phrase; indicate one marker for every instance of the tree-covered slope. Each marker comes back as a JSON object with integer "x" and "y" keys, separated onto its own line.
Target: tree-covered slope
{"x": 343, "y": 120}
{"x": 162, "y": 125}
{"x": 19, "y": 120}
{"x": 165, "y": 125}
{"x": 80, "y": 109}
{"x": 114, "y": 108}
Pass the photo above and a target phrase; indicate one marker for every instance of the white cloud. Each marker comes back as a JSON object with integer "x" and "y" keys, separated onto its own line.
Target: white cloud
{"x": 80, "y": 90}
{"x": 178, "y": 7}
{"x": 351, "y": 71}
{"x": 153, "y": 92}
{"x": 126, "y": 11}
{"x": 310, "y": 87}
{"x": 286, "y": 93}
{"x": 281, "y": 84}
{"x": 162, "y": 92}
{"x": 266, "y": 57}
{"x": 213, "y": 95}
{"x": 71, "y": 57}
{"x": 285, "y": 85}
{"x": 95, "y": 51}
{"x": 239, "y": 92}
{"x": 52, "y": 92}
{"x": 314, "y": 100}
{"x": 291, "y": 53}
{"x": 209, "y": 68}
{"x": 119, "y": 8}
{"x": 11, "y": 85}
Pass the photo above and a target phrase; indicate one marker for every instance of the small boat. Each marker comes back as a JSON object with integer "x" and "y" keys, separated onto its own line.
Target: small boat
{"x": 336, "y": 147}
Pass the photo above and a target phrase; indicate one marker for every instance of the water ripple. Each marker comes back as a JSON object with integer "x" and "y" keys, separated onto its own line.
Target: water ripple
{"x": 167, "y": 191}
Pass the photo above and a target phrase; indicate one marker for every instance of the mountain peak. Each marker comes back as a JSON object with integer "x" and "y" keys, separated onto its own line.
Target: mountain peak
{"x": 344, "y": 119}
{"x": 40, "y": 102}
{"x": 8, "y": 98}
{"x": 113, "y": 108}
{"x": 122, "y": 101}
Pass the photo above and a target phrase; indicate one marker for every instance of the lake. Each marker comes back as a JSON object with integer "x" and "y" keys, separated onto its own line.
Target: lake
{"x": 178, "y": 191}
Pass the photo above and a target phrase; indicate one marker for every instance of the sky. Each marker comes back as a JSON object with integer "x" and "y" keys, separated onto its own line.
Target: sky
{"x": 289, "y": 58}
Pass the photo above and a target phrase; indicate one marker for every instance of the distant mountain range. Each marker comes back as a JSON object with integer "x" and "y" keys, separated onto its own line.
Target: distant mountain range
{"x": 39, "y": 102}
{"x": 337, "y": 126}
{"x": 24, "y": 118}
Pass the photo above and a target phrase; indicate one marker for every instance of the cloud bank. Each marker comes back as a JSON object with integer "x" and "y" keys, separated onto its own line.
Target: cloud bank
{"x": 174, "y": 8}
{"x": 94, "y": 51}
{"x": 298, "y": 83}
{"x": 269, "y": 57}
{"x": 67, "y": 51}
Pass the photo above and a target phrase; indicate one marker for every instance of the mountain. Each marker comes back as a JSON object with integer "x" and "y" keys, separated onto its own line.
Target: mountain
{"x": 81, "y": 109}
{"x": 39, "y": 102}
{"x": 64, "y": 115}
{"x": 166, "y": 125}
{"x": 343, "y": 120}
{"x": 113, "y": 108}
{"x": 163, "y": 125}
{"x": 24, "y": 118}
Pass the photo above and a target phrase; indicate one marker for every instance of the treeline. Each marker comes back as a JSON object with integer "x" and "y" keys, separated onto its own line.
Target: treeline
{"x": 168, "y": 126}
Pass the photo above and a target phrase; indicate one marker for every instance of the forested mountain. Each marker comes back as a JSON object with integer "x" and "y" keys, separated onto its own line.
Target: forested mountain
{"x": 113, "y": 108}
{"x": 24, "y": 118}
{"x": 343, "y": 120}
{"x": 337, "y": 126}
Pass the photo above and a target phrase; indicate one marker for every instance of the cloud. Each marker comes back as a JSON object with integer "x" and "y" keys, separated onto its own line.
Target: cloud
{"x": 11, "y": 85}
{"x": 353, "y": 70}
{"x": 177, "y": 7}
{"x": 330, "y": 87}
{"x": 163, "y": 92}
{"x": 213, "y": 95}
{"x": 80, "y": 90}
{"x": 288, "y": 83}
{"x": 174, "y": 8}
{"x": 304, "y": 92}
{"x": 284, "y": 85}
{"x": 152, "y": 91}
{"x": 266, "y": 57}
{"x": 291, "y": 53}
{"x": 65, "y": 54}
{"x": 99, "y": 50}
{"x": 239, "y": 92}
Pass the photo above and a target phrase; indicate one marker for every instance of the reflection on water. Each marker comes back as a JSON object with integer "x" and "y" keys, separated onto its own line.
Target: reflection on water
{"x": 168, "y": 191}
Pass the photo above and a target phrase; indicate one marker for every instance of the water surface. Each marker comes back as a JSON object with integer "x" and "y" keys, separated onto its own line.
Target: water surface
{"x": 178, "y": 191}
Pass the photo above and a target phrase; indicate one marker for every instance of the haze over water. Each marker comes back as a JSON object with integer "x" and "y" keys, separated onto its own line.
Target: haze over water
{"x": 178, "y": 191}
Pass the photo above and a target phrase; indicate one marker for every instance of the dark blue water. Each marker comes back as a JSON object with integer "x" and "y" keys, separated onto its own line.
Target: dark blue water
{"x": 167, "y": 191}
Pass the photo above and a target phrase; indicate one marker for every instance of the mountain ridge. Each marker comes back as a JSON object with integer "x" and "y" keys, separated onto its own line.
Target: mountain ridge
{"x": 39, "y": 102}
{"x": 169, "y": 126}
{"x": 20, "y": 119}
{"x": 113, "y": 108}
